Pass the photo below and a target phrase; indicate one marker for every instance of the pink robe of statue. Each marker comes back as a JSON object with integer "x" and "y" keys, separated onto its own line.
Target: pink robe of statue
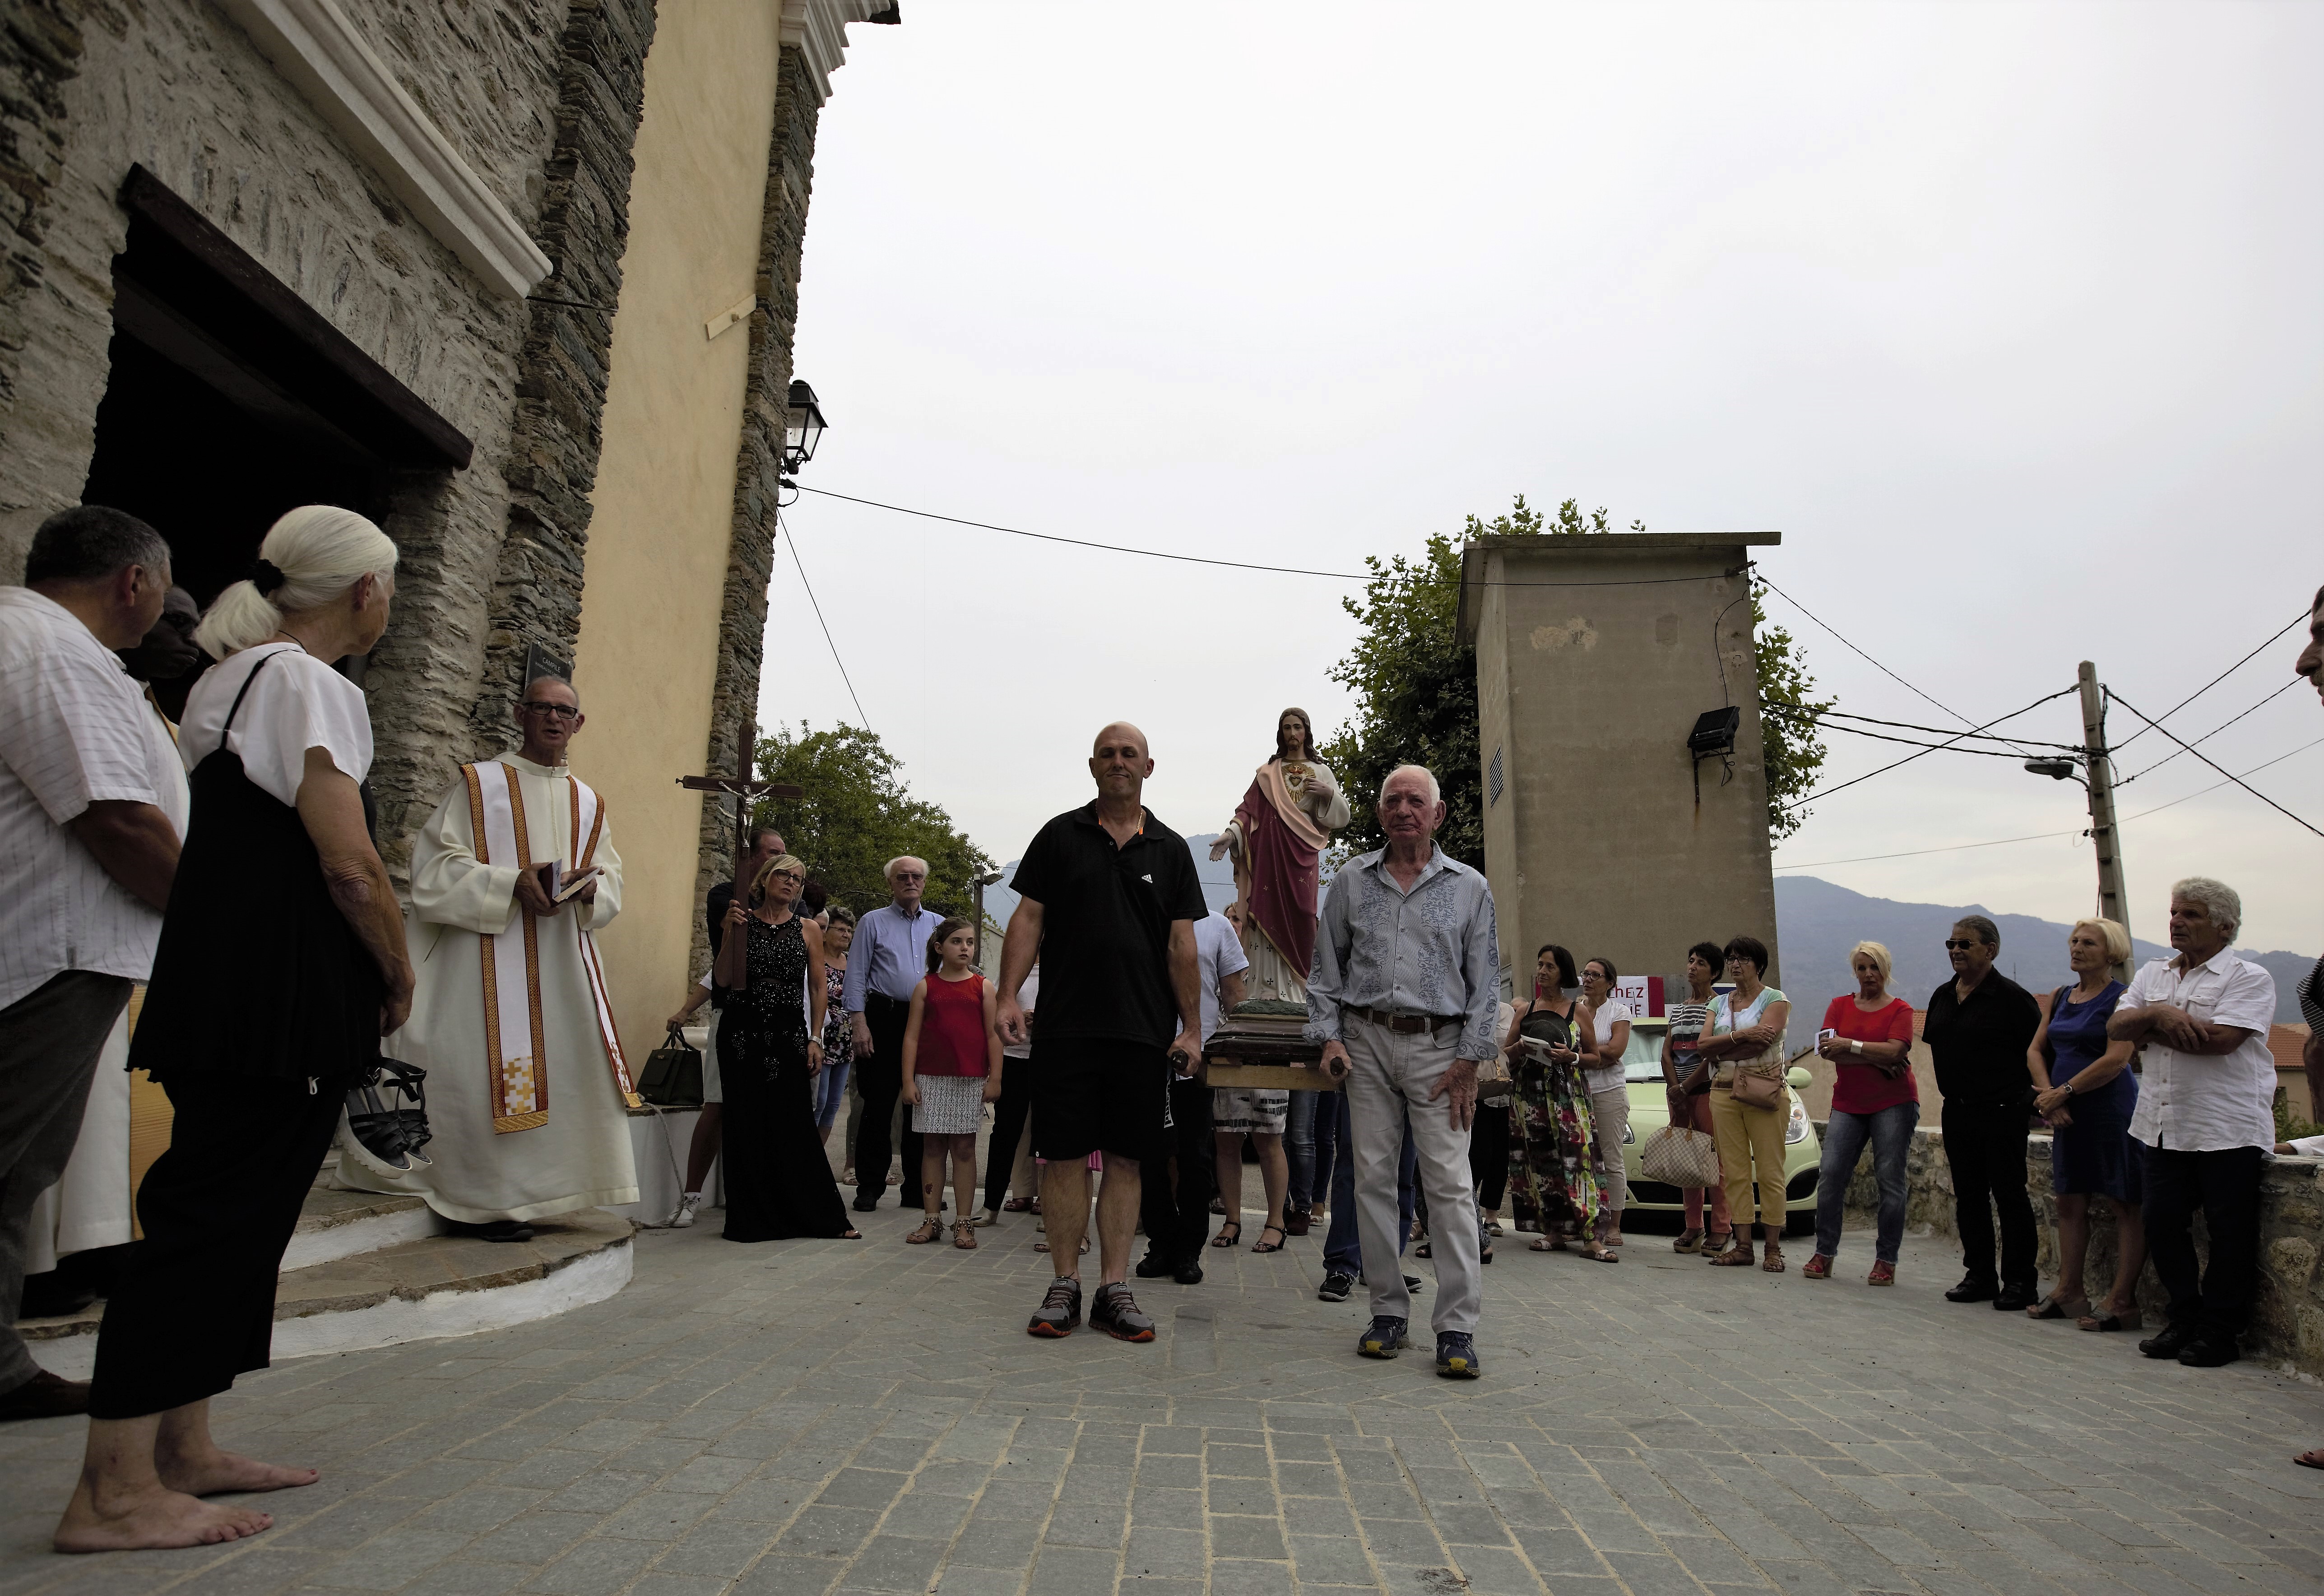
{"x": 1279, "y": 838}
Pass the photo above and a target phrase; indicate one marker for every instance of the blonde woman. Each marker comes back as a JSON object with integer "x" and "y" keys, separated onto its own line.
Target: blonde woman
{"x": 1868, "y": 1037}
{"x": 2085, "y": 1091}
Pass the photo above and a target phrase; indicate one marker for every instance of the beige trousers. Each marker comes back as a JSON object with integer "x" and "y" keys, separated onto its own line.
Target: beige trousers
{"x": 1746, "y": 1137}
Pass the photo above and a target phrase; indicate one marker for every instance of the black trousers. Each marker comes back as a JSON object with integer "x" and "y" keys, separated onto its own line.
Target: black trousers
{"x": 2224, "y": 1185}
{"x": 1008, "y": 1117}
{"x": 196, "y": 1304}
{"x": 1984, "y": 1144}
{"x": 880, "y": 1079}
{"x": 1488, "y": 1156}
{"x": 1177, "y": 1214}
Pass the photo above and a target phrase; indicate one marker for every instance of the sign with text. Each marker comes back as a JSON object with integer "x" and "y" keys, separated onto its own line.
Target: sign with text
{"x": 1643, "y": 993}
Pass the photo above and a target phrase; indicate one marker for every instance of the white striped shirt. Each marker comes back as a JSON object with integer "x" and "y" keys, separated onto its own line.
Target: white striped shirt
{"x": 74, "y": 731}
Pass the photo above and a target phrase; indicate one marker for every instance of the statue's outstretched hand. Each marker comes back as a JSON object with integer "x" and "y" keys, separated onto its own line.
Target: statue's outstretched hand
{"x": 1219, "y": 849}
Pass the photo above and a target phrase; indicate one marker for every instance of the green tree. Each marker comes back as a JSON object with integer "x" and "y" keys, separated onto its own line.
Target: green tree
{"x": 1790, "y": 745}
{"x": 1415, "y": 682}
{"x": 856, "y": 816}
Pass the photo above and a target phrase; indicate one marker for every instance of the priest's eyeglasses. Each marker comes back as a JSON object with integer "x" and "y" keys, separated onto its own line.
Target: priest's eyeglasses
{"x": 563, "y": 711}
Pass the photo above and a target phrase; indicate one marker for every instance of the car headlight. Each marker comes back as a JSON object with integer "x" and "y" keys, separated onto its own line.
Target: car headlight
{"x": 1629, "y": 1136}
{"x": 1797, "y": 1130}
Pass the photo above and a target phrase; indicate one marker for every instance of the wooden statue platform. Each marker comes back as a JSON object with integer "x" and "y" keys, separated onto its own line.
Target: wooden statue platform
{"x": 1258, "y": 1045}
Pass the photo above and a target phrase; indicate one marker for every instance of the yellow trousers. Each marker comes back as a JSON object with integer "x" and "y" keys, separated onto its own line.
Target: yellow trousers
{"x": 1744, "y": 1136}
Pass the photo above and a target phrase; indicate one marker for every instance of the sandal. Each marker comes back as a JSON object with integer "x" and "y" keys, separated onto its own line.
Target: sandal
{"x": 1228, "y": 1233}
{"x": 1774, "y": 1260}
{"x": 931, "y": 1228}
{"x": 2311, "y": 1460}
{"x": 1817, "y": 1268}
{"x": 2054, "y": 1306}
{"x": 1547, "y": 1244}
{"x": 850, "y": 1235}
{"x": 1264, "y": 1245}
{"x": 1885, "y": 1274}
{"x": 2127, "y": 1319}
{"x": 1017, "y": 1205}
{"x": 1422, "y": 1251}
{"x": 1492, "y": 1226}
{"x": 1736, "y": 1257}
{"x": 1688, "y": 1241}
{"x": 1598, "y": 1253}
{"x": 963, "y": 1235}
{"x": 1712, "y": 1246}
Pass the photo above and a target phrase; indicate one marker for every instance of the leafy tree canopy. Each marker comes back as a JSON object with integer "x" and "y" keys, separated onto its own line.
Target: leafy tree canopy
{"x": 856, "y": 816}
{"x": 1794, "y": 749}
{"x": 1415, "y": 683}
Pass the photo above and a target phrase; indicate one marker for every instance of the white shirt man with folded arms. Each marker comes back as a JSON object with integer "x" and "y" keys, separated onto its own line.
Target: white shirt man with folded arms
{"x": 86, "y": 857}
{"x": 1403, "y": 994}
{"x": 2205, "y": 1119}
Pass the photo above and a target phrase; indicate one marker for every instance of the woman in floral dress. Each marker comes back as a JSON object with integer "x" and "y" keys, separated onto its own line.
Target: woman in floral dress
{"x": 1553, "y": 1162}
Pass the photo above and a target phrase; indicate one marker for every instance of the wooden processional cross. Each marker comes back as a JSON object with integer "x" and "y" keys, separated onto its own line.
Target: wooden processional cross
{"x": 746, "y": 793}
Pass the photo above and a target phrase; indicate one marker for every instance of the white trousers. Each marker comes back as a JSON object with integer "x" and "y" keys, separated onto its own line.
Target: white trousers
{"x": 1390, "y": 1075}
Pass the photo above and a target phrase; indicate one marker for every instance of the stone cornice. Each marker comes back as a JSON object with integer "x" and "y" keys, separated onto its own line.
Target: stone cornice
{"x": 819, "y": 29}
{"x": 312, "y": 44}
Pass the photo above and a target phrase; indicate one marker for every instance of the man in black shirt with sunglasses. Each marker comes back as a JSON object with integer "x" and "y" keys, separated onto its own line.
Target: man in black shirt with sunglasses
{"x": 1979, "y": 1025}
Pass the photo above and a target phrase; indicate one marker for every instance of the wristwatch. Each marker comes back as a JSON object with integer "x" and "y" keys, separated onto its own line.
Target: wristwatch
{"x": 2068, "y": 1088}
{"x": 1854, "y": 1045}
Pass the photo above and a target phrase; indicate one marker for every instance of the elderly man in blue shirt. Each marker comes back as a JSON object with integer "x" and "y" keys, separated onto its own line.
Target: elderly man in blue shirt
{"x": 888, "y": 958}
{"x": 1403, "y": 995}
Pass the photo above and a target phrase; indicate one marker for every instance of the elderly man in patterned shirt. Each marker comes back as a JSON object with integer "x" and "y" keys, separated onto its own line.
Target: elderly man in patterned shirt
{"x": 1402, "y": 995}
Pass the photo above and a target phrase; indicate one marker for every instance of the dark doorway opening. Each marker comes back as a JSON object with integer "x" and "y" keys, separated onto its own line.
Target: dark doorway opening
{"x": 231, "y": 399}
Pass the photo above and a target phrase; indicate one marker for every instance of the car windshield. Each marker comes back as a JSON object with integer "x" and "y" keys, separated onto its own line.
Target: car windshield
{"x": 1642, "y": 1060}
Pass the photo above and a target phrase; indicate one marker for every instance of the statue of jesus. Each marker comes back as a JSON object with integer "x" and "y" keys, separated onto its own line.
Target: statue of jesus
{"x": 1277, "y": 837}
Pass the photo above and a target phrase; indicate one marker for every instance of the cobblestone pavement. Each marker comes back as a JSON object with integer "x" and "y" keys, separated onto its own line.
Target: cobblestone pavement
{"x": 808, "y": 1417}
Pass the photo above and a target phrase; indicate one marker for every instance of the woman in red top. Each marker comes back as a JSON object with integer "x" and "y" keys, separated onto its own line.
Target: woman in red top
{"x": 952, "y": 1069}
{"x": 1868, "y": 1039}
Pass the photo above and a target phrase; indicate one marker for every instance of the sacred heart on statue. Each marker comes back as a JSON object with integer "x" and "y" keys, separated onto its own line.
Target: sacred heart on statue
{"x": 1295, "y": 776}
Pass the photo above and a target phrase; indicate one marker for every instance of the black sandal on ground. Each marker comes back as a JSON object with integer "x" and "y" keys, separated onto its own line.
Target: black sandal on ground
{"x": 1423, "y": 1252}
{"x": 1223, "y": 1239}
{"x": 1264, "y": 1245}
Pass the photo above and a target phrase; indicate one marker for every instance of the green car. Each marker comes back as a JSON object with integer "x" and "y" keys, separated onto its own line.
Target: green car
{"x": 1642, "y": 1068}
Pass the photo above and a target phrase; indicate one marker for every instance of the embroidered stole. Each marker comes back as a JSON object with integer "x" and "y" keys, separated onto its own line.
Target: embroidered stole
{"x": 515, "y": 1041}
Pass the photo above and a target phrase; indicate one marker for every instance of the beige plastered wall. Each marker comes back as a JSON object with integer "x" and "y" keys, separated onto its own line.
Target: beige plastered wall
{"x": 655, "y": 574}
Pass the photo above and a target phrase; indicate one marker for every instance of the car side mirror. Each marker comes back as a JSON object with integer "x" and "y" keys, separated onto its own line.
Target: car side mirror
{"x": 1796, "y": 1077}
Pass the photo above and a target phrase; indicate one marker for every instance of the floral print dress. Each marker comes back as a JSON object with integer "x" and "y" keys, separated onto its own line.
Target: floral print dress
{"x": 1553, "y": 1162}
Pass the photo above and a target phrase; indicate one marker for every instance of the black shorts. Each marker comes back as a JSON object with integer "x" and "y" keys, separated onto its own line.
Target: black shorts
{"x": 1096, "y": 1094}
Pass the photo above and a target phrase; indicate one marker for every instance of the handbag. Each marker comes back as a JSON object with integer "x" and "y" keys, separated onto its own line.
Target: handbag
{"x": 673, "y": 1073}
{"x": 1759, "y": 1082}
{"x": 1684, "y": 1158}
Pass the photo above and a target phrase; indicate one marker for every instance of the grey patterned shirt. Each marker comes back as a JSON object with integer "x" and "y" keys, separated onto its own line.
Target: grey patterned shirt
{"x": 1429, "y": 951}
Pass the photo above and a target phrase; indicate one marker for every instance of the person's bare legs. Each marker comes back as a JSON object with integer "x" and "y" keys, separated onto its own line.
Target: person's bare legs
{"x": 704, "y": 1147}
{"x": 2130, "y": 1249}
{"x": 141, "y": 1481}
{"x": 2073, "y": 1243}
{"x": 932, "y": 1174}
{"x": 1118, "y": 1195}
{"x": 1228, "y": 1164}
{"x": 1274, "y": 1176}
{"x": 964, "y": 1195}
{"x": 1065, "y": 1213}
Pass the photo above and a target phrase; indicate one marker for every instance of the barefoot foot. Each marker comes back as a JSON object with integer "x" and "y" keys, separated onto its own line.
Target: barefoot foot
{"x": 154, "y": 1518}
{"x": 219, "y": 1473}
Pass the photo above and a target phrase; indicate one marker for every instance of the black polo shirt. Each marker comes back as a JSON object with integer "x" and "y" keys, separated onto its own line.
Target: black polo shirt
{"x": 1105, "y": 925}
{"x": 1979, "y": 1046}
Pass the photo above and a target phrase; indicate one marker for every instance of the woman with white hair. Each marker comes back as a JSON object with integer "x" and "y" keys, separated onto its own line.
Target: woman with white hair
{"x": 282, "y": 965}
{"x": 2085, "y": 1094}
{"x": 1867, "y": 1038}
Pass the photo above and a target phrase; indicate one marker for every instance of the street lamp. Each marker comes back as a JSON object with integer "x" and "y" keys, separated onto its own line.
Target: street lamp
{"x": 977, "y": 884}
{"x": 2056, "y": 769}
{"x": 803, "y": 427}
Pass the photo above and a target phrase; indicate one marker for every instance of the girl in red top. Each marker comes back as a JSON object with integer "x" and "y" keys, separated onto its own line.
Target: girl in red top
{"x": 1868, "y": 1039}
{"x": 952, "y": 1069}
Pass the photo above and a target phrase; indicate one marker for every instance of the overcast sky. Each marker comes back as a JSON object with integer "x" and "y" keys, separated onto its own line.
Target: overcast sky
{"x": 2007, "y": 318}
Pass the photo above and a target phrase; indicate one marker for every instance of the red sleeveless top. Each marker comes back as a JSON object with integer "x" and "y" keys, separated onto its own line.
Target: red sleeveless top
{"x": 952, "y": 1028}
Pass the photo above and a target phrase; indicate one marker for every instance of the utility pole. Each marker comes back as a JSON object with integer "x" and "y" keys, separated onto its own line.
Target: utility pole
{"x": 2114, "y": 898}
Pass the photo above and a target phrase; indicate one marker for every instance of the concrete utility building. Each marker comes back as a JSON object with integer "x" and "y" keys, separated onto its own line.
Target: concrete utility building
{"x": 1596, "y": 656}
{"x": 516, "y": 280}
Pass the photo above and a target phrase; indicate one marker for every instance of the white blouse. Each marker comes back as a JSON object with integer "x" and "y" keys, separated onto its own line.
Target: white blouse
{"x": 297, "y": 703}
{"x": 1607, "y": 1077}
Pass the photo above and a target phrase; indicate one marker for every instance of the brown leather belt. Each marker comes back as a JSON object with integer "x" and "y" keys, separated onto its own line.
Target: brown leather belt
{"x": 1408, "y": 1024}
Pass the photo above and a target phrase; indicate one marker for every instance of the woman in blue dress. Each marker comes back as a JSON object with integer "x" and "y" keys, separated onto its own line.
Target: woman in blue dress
{"x": 2085, "y": 1093}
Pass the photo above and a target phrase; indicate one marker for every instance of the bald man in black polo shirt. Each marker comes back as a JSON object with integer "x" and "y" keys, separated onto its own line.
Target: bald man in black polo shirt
{"x": 1108, "y": 897}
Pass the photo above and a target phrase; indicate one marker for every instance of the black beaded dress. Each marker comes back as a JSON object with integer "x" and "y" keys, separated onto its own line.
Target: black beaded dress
{"x": 778, "y": 1180}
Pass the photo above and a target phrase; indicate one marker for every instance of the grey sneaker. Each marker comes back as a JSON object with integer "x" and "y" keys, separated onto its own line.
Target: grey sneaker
{"x": 686, "y": 1206}
{"x": 1456, "y": 1356}
{"x": 1060, "y": 1312}
{"x": 1383, "y": 1338}
{"x": 1116, "y": 1313}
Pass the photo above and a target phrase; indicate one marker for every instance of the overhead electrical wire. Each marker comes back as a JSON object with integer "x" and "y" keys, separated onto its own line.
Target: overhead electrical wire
{"x": 1930, "y": 747}
{"x": 2215, "y": 731}
{"x": 2048, "y": 835}
{"x": 2299, "y": 620}
{"x": 1945, "y": 732}
{"x": 862, "y": 719}
{"x": 2186, "y": 747}
{"x": 1952, "y": 747}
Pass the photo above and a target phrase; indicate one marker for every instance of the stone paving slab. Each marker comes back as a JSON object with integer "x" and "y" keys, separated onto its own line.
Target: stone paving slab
{"x": 797, "y": 1418}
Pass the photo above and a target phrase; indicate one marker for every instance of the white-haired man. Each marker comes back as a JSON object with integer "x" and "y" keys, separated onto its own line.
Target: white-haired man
{"x": 1403, "y": 993}
{"x": 2205, "y": 1119}
{"x": 888, "y": 958}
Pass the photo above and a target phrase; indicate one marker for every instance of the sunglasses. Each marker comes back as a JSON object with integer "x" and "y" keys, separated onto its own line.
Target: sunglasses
{"x": 564, "y": 712}
{"x": 1963, "y": 946}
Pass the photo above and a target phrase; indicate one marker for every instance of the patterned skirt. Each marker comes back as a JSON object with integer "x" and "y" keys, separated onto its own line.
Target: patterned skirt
{"x": 949, "y": 1105}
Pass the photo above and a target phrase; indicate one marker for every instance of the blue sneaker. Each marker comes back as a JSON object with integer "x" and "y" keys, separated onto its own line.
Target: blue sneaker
{"x": 1456, "y": 1356}
{"x": 1383, "y": 1338}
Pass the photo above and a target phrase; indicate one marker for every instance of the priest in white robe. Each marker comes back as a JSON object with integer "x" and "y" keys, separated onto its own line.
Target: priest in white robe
{"x": 528, "y": 1089}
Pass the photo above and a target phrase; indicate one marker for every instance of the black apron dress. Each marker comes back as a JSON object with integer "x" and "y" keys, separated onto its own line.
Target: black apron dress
{"x": 263, "y": 1008}
{"x": 778, "y": 1180}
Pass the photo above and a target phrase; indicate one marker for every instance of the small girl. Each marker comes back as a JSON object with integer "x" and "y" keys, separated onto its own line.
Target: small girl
{"x": 952, "y": 1069}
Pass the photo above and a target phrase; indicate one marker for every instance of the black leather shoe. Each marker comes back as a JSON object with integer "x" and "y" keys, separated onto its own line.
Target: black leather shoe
{"x": 2203, "y": 1352}
{"x": 1973, "y": 1290}
{"x": 1189, "y": 1273}
{"x": 864, "y": 1204}
{"x": 1155, "y": 1267}
{"x": 2173, "y": 1340}
{"x": 2014, "y": 1299}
